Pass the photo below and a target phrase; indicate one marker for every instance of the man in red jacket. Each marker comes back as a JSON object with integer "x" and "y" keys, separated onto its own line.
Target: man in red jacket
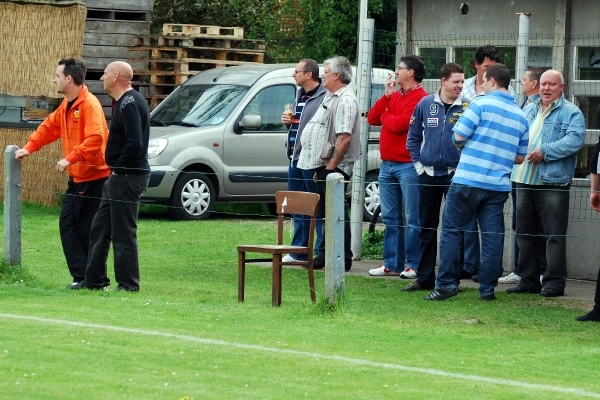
{"x": 398, "y": 179}
{"x": 80, "y": 124}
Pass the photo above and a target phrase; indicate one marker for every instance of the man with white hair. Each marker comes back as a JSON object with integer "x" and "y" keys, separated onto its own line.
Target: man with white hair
{"x": 557, "y": 132}
{"x": 331, "y": 140}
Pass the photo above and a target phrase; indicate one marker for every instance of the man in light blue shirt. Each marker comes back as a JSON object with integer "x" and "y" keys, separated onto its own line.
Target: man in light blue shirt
{"x": 493, "y": 135}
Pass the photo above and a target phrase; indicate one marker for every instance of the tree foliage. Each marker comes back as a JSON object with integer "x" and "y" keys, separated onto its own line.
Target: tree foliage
{"x": 292, "y": 29}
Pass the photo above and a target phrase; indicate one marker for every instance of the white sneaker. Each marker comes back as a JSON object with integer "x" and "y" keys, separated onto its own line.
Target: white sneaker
{"x": 510, "y": 278}
{"x": 289, "y": 258}
{"x": 408, "y": 273}
{"x": 382, "y": 271}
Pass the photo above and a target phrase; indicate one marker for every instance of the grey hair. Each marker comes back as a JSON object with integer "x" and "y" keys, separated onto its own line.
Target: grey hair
{"x": 341, "y": 65}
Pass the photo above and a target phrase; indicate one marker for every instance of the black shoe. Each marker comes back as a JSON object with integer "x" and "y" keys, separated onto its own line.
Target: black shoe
{"x": 593, "y": 315}
{"x": 82, "y": 285}
{"x": 465, "y": 275}
{"x": 552, "y": 293}
{"x": 519, "y": 290}
{"x": 318, "y": 263}
{"x": 489, "y": 297}
{"x": 475, "y": 278}
{"x": 438, "y": 294}
{"x": 413, "y": 287}
{"x": 121, "y": 288}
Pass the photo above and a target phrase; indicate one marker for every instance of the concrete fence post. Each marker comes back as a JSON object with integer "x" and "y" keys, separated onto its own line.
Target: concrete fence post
{"x": 12, "y": 207}
{"x": 334, "y": 237}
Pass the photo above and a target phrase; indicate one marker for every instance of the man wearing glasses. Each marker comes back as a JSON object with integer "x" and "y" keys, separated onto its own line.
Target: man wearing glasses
{"x": 309, "y": 97}
{"x": 398, "y": 179}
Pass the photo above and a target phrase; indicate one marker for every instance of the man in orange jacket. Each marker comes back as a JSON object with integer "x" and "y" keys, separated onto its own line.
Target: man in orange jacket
{"x": 79, "y": 122}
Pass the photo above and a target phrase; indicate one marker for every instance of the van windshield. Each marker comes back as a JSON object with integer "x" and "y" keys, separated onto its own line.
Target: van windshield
{"x": 198, "y": 105}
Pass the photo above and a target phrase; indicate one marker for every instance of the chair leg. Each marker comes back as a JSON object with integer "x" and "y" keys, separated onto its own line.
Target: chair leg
{"x": 276, "y": 280}
{"x": 241, "y": 275}
{"x": 311, "y": 282}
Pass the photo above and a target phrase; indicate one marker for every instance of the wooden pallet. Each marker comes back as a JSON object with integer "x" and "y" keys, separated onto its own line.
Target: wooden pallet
{"x": 205, "y": 41}
{"x": 200, "y": 30}
{"x": 166, "y": 77}
{"x": 187, "y": 65}
{"x": 215, "y": 53}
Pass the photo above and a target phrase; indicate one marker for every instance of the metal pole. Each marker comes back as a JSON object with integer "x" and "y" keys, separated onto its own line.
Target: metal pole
{"x": 522, "y": 52}
{"x": 334, "y": 236}
{"x": 363, "y": 79}
{"x": 12, "y": 207}
{"x": 521, "y": 67}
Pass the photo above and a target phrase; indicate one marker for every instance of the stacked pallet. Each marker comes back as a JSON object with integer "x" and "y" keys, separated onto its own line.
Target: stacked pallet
{"x": 184, "y": 50}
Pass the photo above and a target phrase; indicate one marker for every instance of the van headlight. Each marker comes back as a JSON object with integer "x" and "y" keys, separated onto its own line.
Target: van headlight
{"x": 156, "y": 146}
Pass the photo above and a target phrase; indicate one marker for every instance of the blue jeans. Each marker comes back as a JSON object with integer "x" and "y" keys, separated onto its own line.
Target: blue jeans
{"x": 301, "y": 180}
{"x": 432, "y": 189}
{"x": 398, "y": 185}
{"x": 462, "y": 204}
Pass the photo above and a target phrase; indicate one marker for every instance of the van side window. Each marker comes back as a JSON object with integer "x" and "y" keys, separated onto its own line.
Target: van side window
{"x": 268, "y": 103}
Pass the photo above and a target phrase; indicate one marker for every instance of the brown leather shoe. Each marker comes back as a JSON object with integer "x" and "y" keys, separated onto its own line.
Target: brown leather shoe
{"x": 413, "y": 287}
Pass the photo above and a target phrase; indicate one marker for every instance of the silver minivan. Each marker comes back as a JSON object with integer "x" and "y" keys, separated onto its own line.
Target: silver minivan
{"x": 219, "y": 138}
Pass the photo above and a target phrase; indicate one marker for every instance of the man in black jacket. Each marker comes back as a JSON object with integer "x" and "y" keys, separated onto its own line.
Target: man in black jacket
{"x": 127, "y": 157}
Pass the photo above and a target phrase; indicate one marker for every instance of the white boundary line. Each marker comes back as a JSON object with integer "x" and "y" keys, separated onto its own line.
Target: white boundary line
{"x": 348, "y": 360}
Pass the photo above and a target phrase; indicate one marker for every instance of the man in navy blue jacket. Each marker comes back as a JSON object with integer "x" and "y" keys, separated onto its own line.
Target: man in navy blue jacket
{"x": 435, "y": 157}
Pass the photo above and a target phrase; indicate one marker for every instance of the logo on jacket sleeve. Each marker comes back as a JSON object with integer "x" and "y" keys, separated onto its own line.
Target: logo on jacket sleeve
{"x": 412, "y": 120}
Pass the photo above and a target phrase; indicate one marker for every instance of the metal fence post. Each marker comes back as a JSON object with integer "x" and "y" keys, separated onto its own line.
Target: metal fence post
{"x": 12, "y": 207}
{"x": 334, "y": 237}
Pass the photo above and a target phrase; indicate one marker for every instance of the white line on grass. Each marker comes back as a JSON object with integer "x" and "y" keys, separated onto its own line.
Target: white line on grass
{"x": 348, "y": 360}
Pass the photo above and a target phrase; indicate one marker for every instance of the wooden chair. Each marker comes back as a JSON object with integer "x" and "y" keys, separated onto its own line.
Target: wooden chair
{"x": 287, "y": 203}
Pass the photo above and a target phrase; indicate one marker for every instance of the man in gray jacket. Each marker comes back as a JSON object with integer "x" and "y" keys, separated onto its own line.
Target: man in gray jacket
{"x": 308, "y": 99}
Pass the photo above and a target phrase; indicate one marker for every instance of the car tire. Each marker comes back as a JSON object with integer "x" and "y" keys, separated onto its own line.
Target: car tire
{"x": 371, "y": 195}
{"x": 193, "y": 197}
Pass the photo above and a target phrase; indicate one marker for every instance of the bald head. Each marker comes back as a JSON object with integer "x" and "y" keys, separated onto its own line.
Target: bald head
{"x": 117, "y": 78}
{"x": 552, "y": 85}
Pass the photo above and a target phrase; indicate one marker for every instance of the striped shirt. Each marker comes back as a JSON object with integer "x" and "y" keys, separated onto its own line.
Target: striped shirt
{"x": 528, "y": 172}
{"x": 496, "y": 131}
{"x": 315, "y": 132}
{"x": 293, "y": 132}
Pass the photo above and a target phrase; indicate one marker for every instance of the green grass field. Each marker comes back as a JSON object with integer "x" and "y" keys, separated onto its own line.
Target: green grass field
{"x": 185, "y": 336}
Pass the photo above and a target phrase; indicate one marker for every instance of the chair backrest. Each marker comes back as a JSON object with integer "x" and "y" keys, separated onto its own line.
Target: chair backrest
{"x": 303, "y": 203}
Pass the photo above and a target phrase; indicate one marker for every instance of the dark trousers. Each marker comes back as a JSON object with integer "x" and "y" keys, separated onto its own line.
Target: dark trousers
{"x": 79, "y": 206}
{"x": 432, "y": 190}
{"x": 321, "y": 190}
{"x": 547, "y": 206}
{"x": 116, "y": 221}
{"x": 543, "y": 262}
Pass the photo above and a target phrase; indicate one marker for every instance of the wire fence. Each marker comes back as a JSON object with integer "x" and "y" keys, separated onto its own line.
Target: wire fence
{"x": 578, "y": 56}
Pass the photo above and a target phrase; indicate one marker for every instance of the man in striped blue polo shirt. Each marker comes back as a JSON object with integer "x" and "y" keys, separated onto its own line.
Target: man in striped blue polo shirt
{"x": 493, "y": 134}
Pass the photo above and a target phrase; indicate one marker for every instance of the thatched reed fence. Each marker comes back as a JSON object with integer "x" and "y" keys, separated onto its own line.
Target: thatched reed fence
{"x": 35, "y": 36}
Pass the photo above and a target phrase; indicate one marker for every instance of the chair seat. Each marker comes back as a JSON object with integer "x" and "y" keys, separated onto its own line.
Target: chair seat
{"x": 272, "y": 249}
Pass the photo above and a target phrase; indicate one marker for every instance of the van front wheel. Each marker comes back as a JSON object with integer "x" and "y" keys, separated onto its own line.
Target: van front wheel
{"x": 193, "y": 197}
